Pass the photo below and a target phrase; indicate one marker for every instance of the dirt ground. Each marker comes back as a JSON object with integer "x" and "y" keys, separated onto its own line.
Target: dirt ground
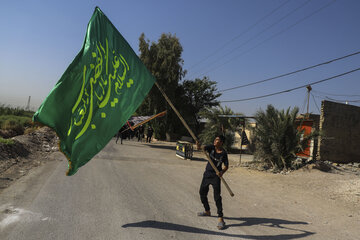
{"x": 341, "y": 184}
{"x": 29, "y": 151}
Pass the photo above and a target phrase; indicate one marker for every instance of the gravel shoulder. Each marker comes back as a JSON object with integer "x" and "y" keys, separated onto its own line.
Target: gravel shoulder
{"x": 28, "y": 152}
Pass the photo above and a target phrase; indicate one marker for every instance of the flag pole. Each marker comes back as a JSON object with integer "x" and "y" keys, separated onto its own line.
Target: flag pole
{"x": 193, "y": 136}
{"x": 148, "y": 120}
{"x": 145, "y": 121}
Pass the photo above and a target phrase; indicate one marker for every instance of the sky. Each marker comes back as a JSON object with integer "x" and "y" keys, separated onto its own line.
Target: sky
{"x": 233, "y": 42}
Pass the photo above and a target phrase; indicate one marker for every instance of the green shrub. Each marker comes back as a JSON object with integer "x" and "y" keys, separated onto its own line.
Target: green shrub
{"x": 15, "y": 123}
{"x": 7, "y": 141}
{"x": 277, "y": 138}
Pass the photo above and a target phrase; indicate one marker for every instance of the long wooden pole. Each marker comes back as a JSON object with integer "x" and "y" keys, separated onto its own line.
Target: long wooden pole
{"x": 194, "y": 137}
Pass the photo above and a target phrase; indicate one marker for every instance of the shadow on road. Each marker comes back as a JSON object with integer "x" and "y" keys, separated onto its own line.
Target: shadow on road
{"x": 269, "y": 222}
{"x": 161, "y": 146}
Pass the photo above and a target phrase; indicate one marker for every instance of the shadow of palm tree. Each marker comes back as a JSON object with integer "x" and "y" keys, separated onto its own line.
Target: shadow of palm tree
{"x": 268, "y": 222}
{"x": 247, "y": 222}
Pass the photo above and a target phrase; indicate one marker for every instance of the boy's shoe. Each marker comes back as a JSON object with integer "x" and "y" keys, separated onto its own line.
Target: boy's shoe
{"x": 221, "y": 225}
{"x": 204, "y": 214}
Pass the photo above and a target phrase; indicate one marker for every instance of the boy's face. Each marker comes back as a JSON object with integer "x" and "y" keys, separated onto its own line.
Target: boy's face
{"x": 218, "y": 142}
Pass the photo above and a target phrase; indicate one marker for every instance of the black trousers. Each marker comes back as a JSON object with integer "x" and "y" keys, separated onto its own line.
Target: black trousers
{"x": 204, "y": 190}
{"x": 119, "y": 135}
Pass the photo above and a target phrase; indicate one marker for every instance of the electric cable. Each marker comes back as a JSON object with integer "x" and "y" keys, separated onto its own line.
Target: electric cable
{"x": 304, "y": 104}
{"x": 240, "y": 35}
{"x": 258, "y": 34}
{"x": 293, "y": 72}
{"x": 292, "y": 89}
{"x": 271, "y": 37}
{"x": 315, "y": 102}
{"x": 334, "y": 94}
{"x": 337, "y": 100}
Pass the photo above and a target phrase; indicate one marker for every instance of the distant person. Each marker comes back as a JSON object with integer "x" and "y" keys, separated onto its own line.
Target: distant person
{"x": 149, "y": 134}
{"x": 121, "y": 134}
{"x": 140, "y": 133}
{"x": 219, "y": 156}
{"x": 131, "y": 132}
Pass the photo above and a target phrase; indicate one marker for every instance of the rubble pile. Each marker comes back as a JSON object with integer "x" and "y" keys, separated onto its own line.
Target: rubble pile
{"x": 43, "y": 140}
{"x": 27, "y": 147}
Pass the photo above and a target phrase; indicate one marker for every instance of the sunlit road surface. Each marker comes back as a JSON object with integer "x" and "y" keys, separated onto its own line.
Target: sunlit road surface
{"x": 143, "y": 191}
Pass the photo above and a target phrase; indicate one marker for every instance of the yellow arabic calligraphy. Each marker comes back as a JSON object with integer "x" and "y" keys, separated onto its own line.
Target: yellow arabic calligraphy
{"x": 100, "y": 87}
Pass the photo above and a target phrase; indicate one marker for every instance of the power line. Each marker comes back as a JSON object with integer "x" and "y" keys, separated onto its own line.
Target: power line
{"x": 292, "y": 89}
{"x": 333, "y": 94}
{"x": 315, "y": 103}
{"x": 290, "y": 73}
{"x": 271, "y": 37}
{"x": 240, "y": 35}
{"x": 337, "y": 100}
{"x": 249, "y": 40}
{"x": 304, "y": 104}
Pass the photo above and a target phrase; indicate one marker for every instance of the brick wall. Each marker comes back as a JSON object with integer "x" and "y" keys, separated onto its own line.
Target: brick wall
{"x": 340, "y": 124}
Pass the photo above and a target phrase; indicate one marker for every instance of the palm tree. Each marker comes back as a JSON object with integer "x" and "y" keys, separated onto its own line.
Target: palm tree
{"x": 277, "y": 139}
{"x": 219, "y": 125}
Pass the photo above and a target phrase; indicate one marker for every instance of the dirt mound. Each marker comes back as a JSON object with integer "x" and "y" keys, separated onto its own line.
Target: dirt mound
{"x": 7, "y": 133}
{"x": 12, "y": 151}
{"x": 28, "y": 151}
{"x": 44, "y": 140}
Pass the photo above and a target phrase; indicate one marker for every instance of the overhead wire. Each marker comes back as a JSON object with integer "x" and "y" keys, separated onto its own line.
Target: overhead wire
{"x": 252, "y": 38}
{"x": 271, "y": 37}
{"x": 315, "y": 102}
{"x": 290, "y": 73}
{"x": 304, "y": 104}
{"x": 335, "y": 94}
{"x": 240, "y": 35}
{"x": 292, "y": 89}
{"x": 337, "y": 100}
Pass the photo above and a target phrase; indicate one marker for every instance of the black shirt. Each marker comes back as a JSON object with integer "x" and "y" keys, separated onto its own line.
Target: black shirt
{"x": 217, "y": 158}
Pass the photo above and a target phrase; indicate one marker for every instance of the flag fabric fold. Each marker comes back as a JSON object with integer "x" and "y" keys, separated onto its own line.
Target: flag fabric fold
{"x": 98, "y": 92}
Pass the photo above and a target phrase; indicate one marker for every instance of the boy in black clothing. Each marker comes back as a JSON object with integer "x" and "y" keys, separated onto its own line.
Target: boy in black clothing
{"x": 219, "y": 156}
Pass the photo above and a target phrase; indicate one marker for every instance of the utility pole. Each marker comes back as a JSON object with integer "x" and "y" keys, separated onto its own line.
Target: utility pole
{"x": 28, "y": 104}
{"x": 308, "y": 100}
{"x": 241, "y": 136}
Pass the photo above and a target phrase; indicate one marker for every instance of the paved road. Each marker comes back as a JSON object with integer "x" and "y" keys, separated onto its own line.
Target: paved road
{"x": 138, "y": 191}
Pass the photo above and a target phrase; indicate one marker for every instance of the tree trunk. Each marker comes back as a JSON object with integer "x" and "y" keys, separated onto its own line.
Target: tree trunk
{"x": 284, "y": 163}
{"x": 272, "y": 164}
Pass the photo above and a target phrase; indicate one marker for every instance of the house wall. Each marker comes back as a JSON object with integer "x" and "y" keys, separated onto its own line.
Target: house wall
{"x": 307, "y": 126}
{"x": 340, "y": 124}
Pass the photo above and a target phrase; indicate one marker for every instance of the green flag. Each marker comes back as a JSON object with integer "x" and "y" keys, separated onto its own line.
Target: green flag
{"x": 99, "y": 91}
